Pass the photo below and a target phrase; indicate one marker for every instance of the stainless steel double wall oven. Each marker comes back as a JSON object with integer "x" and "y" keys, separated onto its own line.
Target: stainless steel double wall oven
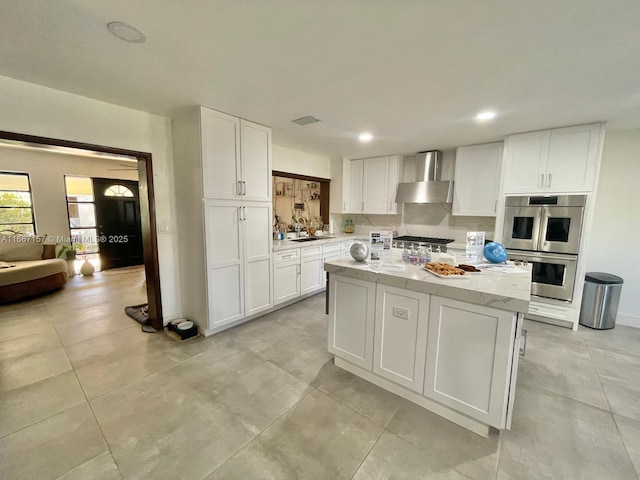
{"x": 545, "y": 231}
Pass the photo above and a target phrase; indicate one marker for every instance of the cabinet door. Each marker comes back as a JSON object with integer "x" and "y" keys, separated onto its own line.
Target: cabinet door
{"x": 346, "y": 185}
{"x": 256, "y": 161}
{"x": 351, "y": 319}
{"x": 525, "y": 162}
{"x": 469, "y": 358}
{"x": 400, "y": 336}
{"x": 477, "y": 180}
{"x": 355, "y": 193}
{"x": 257, "y": 259}
{"x": 395, "y": 166}
{"x": 220, "y": 154}
{"x": 225, "y": 272}
{"x": 311, "y": 274}
{"x": 573, "y": 158}
{"x": 375, "y": 192}
{"x": 286, "y": 281}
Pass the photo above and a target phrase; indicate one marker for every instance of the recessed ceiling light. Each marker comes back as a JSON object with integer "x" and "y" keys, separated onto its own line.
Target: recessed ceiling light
{"x": 486, "y": 115}
{"x": 126, "y": 32}
{"x": 365, "y": 137}
{"x": 302, "y": 121}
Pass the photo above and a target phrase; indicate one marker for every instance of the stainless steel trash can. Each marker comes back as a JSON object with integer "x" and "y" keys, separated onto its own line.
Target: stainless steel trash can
{"x": 600, "y": 300}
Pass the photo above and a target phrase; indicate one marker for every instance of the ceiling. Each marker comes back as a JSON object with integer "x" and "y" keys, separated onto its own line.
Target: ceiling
{"x": 412, "y": 72}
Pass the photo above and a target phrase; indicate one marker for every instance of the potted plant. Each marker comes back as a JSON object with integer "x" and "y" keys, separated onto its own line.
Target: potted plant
{"x": 66, "y": 252}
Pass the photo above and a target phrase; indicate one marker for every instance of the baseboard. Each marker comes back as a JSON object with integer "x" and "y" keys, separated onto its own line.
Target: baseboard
{"x": 628, "y": 320}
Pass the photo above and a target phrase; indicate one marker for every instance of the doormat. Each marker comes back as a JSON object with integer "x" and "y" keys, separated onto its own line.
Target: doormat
{"x": 140, "y": 313}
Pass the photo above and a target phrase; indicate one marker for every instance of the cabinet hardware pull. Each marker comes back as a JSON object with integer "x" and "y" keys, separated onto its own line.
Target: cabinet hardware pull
{"x": 541, "y": 181}
{"x": 344, "y": 207}
{"x": 523, "y": 345}
{"x": 244, "y": 187}
{"x": 238, "y": 187}
{"x": 363, "y": 206}
{"x": 495, "y": 207}
{"x": 549, "y": 181}
{"x": 286, "y": 256}
{"x": 244, "y": 213}
{"x": 239, "y": 214}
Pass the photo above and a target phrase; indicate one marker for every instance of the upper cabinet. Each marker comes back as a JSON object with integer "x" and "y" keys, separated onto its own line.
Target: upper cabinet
{"x": 477, "y": 180}
{"x": 369, "y": 185}
{"x": 236, "y": 157}
{"x": 561, "y": 160}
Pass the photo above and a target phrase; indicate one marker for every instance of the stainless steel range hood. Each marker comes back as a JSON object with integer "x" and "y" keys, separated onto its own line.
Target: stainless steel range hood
{"x": 428, "y": 188}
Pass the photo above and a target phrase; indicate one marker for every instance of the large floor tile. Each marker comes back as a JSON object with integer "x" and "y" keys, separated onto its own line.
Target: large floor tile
{"x": 30, "y": 404}
{"x": 19, "y": 327}
{"x": 101, "y": 467}
{"x": 552, "y": 332}
{"x": 32, "y": 369}
{"x": 310, "y": 320}
{"x": 621, "y": 339}
{"x": 52, "y": 447}
{"x": 267, "y": 338}
{"x": 71, "y": 334}
{"x": 206, "y": 437}
{"x": 556, "y": 437}
{"x": 393, "y": 457}
{"x": 319, "y": 437}
{"x": 367, "y": 399}
{"x": 630, "y": 431}
{"x": 31, "y": 344}
{"x": 623, "y": 397}
{"x": 309, "y": 360}
{"x": 473, "y": 455}
{"x": 624, "y": 368}
{"x": 261, "y": 395}
{"x": 126, "y": 366}
{"x": 561, "y": 367}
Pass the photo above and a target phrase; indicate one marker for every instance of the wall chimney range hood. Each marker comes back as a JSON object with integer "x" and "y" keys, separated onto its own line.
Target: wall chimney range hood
{"x": 428, "y": 188}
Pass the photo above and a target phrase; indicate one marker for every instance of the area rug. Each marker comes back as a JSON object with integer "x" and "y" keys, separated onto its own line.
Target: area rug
{"x": 140, "y": 313}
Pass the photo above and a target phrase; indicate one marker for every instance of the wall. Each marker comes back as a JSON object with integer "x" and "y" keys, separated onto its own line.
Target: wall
{"x": 616, "y": 230}
{"x": 31, "y": 109}
{"x": 431, "y": 220}
{"x": 46, "y": 171}
{"x": 294, "y": 161}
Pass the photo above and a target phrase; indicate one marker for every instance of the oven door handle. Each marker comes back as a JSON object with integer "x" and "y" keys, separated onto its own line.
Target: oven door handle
{"x": 543, "y": 256}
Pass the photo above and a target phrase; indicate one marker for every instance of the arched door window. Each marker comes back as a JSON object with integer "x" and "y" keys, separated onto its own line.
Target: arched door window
{"x": 118, "y": 191}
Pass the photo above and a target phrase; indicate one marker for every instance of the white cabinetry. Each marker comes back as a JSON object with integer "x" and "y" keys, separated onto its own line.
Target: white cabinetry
{"x": 400, "y": 340}
{"x": 311, "y": 269}
{"x": 286, "y": 275}
{"x": 477, "y": 180}
{"x": 370, "y": 184}
{"x": 236, "y": 157}
{"x": 223, "y": 195}
{"x": 469, "y": 352}
{"x": 562, "y": 160}
{"x": 351, "y": 319}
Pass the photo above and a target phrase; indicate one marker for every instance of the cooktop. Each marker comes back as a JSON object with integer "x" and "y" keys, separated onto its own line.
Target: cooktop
{"x": 409, "y": 238}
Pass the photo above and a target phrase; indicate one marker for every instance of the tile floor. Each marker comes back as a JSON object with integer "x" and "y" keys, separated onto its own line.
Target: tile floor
{"x": 84, "y": 394}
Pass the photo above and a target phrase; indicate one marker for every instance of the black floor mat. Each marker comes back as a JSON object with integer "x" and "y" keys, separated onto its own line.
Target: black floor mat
{"x": 140, "y": 313}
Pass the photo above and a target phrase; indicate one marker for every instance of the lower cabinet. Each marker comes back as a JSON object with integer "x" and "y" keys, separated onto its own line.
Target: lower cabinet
{"x": 400, "y": 340}
{"x": 458, "y": 354}
{"x": 286, "y": 281}
{"x": 352, "y": 306}
{"x": 311, "y": 274}
{"x": 469, "y": 352}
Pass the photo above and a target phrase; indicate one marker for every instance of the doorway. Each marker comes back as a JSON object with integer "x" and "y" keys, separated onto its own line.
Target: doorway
{"x": 118, "y": 223}
{"x": 148, "y": 231}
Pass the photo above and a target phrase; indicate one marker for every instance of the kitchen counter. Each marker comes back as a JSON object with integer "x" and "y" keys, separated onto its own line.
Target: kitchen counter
{"x": 291, "y": 243}
{"x": 506, "y": 291}
{"x": 449, "y": 345}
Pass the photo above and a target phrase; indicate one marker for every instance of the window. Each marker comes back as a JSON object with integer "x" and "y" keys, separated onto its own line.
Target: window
{"x": 82, "y": 213}
{"x": 118, "y": 191}
{"x": 16, "y": 206}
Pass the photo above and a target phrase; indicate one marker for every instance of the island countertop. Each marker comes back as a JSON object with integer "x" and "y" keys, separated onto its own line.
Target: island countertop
{"x": 491, "y": 287}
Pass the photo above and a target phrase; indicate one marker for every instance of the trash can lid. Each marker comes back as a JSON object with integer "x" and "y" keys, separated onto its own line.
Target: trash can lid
{"x": 600, "y": 277}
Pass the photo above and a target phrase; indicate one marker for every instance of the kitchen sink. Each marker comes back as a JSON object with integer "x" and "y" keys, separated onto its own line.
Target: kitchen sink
{"x": 305, "y": 239}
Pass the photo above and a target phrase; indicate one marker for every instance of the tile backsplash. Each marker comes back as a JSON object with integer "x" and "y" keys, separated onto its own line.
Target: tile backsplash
{"x": 432, "y": 220}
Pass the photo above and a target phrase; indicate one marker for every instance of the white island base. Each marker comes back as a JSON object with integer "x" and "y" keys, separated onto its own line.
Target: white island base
{"x": 415, "y": 335}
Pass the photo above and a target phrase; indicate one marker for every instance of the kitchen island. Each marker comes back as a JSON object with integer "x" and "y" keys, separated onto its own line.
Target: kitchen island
{"x": 449, "y": 345}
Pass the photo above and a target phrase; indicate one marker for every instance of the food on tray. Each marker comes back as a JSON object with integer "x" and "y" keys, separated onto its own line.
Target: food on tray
{"x": 467, "y": 268}
{"x": 443, "y": 268}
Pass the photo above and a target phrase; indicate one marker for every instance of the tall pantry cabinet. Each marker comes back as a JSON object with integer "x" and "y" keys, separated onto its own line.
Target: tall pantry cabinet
{"x": 224, "y": 210}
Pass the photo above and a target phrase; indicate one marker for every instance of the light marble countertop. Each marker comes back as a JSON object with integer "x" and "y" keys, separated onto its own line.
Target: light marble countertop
{"x": 496, "y": 289}
{"x": 288, "y": 244}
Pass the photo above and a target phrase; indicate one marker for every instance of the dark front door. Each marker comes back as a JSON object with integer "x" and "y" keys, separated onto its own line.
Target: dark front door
{"x": 118, "y": 222}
